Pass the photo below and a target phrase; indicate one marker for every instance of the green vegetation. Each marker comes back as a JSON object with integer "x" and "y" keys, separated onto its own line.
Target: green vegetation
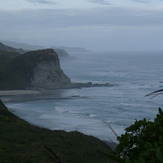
{"x": 24, "y": 143}
{"x": 7, "y": 55}
{"x": 142, "y": 142}
{"x": 10, "y": 49}
{"x": 6, "y": 59}
{"x": 12, "y": 74}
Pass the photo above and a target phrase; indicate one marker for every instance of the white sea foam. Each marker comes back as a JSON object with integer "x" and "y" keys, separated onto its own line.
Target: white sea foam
{"x": 92, "y": 115}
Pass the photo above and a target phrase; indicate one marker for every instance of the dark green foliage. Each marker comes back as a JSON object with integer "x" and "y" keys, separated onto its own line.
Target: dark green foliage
{"x": 142, "y": 142}
{"x": 15, "y": 70}
{"x": 5, "y": 64}
{"x": 24, "y": 143}
{"x": 5, "y": 59}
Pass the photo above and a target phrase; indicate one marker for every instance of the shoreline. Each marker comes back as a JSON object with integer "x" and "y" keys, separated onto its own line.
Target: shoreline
{"x": 17, "y": 92}
{"x": 21, "y": 96}
{"x": 20, "y": 135}
{"x": 18, "y": 95}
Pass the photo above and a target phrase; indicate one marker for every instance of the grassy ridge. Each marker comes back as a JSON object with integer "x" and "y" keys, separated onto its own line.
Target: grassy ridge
{"x": 6, "y": 59}
{"x": 24, "y": 143}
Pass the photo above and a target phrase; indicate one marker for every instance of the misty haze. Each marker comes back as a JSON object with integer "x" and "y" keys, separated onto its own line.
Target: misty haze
{"x": 80, "y": 66}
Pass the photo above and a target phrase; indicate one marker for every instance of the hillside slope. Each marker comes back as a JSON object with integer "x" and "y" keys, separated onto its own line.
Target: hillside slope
{"x": 22, "y": 142}
{"x": 4, "y": 47}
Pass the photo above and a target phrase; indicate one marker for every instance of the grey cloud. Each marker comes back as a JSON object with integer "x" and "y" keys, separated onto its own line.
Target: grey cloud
{"x": 141, "y": 1}
{"x": 113, "y": 26}
{"x": 41, "y": 1}
{"x": 102, "y": 2}
{"x": 74, "y": 18}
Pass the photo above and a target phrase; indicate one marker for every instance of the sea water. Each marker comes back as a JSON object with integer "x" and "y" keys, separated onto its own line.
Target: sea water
{"x": 93, "y": 110}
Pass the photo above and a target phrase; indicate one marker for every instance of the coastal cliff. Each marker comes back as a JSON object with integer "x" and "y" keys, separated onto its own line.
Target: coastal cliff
{"x": 46, "y": 70}
{"x": 35, "y": 69}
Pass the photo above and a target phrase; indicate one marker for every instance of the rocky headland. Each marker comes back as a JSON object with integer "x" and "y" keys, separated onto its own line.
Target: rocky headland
{"x": 39, "y": 69}
{"x": 27, "y": 74}
{"x": 35, "y": 69}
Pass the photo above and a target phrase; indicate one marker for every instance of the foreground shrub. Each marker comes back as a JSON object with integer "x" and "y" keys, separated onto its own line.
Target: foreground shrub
{"x": 142, "y": 142}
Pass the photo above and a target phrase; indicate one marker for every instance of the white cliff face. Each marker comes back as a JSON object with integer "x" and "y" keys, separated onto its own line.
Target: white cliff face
{"x": 47, "y": 72}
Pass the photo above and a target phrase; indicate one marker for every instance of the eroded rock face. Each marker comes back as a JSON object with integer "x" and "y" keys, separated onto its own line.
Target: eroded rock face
{"x": 34, "y": 69}
{"x": 47, "y": 71}
{"x": 48, "y": 74}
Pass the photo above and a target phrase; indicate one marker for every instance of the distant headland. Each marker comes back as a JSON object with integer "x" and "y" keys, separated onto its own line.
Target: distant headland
{"x": 35, "y": 69}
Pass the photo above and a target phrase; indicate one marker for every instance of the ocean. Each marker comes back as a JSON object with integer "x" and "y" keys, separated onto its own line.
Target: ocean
{"x": 92, "y": 110}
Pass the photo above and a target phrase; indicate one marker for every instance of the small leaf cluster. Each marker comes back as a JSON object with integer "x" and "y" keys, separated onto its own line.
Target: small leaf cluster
{"x": 142, "y": 142}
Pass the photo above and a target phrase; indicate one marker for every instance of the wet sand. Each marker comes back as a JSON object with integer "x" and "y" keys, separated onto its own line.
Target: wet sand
{"x": 17, "y": 95}
{"x": 17, "y": 92}
{"x": 11, "y": 96}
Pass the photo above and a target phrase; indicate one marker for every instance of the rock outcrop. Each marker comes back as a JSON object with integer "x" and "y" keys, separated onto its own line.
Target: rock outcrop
{"x": 35, "y": 69}
{"x": 90, "y": 84}
{"x": 47, "y": 71}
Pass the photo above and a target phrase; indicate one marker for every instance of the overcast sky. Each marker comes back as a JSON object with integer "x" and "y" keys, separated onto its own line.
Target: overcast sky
{"x": 101, "y": 25}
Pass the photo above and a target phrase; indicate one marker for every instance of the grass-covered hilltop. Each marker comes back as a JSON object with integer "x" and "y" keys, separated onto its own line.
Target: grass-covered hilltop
{"x": 24, "y": 143}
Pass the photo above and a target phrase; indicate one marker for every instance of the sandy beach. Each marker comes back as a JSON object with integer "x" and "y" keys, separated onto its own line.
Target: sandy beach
{"x": 31, "y": 95}
{"x": 17, "y": 92}
{"x": 17, "y": 95}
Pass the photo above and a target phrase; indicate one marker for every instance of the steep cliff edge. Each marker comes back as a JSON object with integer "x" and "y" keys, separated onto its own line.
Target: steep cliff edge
{"x": 47, "y": 71}
{"x": 35, "y": 69}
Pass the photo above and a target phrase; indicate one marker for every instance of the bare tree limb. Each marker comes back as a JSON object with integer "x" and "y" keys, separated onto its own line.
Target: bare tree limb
{"x": 53, "y": 153}
{"x": 155, "y": 93}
